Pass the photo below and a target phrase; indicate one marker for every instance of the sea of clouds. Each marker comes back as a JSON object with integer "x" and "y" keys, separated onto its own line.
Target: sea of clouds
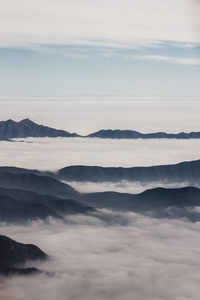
{"x": 110, "y": 256}
{"x": 56, "y": 153}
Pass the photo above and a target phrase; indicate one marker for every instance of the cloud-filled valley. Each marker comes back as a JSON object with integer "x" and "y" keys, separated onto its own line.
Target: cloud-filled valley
{"x": 53, "y": 154}
{"x": 134, "y": 257}
{"x": 137, "y": 247}
{"x": 99, "y": 150}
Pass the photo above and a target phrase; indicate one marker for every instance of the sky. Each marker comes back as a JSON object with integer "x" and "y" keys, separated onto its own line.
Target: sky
{"x": 109, "y": 47}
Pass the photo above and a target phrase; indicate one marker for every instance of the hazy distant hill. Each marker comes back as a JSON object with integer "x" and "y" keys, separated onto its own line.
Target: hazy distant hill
{"x": 13, "y": 255}
{"x": 39, "y": 184}
{"x": 27, "y": 128}
{"x": 188, "y": 171}
{"x": 13, "y": 211}
{"x": 58, "y": 205}
{"x": 25, "y": 196}
{"x": 131, "y": 134}
{"x": 185, "y": 171}
{"x": 158, "y": 202}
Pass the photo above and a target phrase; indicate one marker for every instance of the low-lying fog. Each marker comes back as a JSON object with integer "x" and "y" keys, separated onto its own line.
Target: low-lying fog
{"x": 131, "y": 257}
{"x": 56, "y": 153}
{"x": 125, "y": 186}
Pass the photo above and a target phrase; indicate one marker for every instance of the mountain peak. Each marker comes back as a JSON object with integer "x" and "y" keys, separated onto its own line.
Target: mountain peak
{"x": 10, "y": 121}
{"x": 26, "y": 121}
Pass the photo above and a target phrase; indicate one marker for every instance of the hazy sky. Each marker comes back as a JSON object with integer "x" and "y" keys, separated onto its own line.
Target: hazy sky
{"x": 85, "y": 115}
{"x": 90, "y": 47}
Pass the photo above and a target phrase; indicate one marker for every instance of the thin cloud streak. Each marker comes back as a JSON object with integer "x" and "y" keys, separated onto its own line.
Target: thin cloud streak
{"x": 190, "y": 61}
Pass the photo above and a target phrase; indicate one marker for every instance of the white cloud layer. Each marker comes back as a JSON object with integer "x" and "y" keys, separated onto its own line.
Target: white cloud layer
{"x": 112, "y": 23}
{"x": 134, "y": 257}
{"x": 125, "y": 186}
{"x": 190, "y": 61}
{"x": 56, "y": 153}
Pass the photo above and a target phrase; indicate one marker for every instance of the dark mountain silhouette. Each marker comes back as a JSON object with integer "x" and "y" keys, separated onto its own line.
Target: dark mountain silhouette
{"x": 188, "y": 171}
{"x": 132, "y": 134}
{"x": 14, "y": 255}
{"x": 158, "y": 202}
{"x": 30, "y": 196}
{"x": 16, "y": 170}
{"x": 39, "y": 184}
{"x": 60, "y": 206}
{"x": 27, "y": 128}
{"x": 25, "y": 197}
{"x": 185, "y": 171}
{"x": 12, "y": 211}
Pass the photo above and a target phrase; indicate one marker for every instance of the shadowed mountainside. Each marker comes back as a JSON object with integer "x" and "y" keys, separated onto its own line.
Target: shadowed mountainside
{"x": 188, "y": 171}
{"x": 55, "y": 204}
{"x": 14, "y": 255}
{"x": 158, "y": 202}
{"x": 13, "y": 211}
{"x": 35, "y": 183}
{"x": 185, "y": 171}
{"x": 30, "y": 196}
{"x": 25, "y": 197}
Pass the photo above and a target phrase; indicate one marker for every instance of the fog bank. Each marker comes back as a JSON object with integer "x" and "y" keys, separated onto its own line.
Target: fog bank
{"x": 131, "y": 257}
{"x": 56, "y": 153}
{"x": 124, "y": 186}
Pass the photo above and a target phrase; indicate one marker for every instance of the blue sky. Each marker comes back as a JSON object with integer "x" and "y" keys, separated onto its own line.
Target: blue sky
{"x": 61, "y": 48}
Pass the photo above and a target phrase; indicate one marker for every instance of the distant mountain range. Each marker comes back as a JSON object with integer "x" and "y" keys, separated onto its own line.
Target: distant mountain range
{"x": 188, "y": 171}
{"x": 157, "y": 202}
{"x": 185, "y": 171}
{"x": 26, "y": 196}
{"x": 131, "y": 134}
{"x": 26, "y": 128}
{"x": 14, "y": 255}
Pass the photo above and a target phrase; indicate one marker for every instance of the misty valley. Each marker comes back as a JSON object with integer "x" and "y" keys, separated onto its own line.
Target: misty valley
{"x": 99, "y": 150}
{"x": 82, "y": 231}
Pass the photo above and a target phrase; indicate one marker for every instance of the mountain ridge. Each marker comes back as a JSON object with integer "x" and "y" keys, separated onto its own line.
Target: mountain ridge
{"x": 26, "y": 128}
{"x": 183, "y": 171}
{"x": 158, "y": 202}
{"x": 188, "y": 171}
{"x": 18, "y": 203}
{"x": 14, "y": 255}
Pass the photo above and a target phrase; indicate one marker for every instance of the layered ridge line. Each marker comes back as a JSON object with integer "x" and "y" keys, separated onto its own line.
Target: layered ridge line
{"x": 187, "y": 171}
{"x": 26, "y": 197}
{"x": 10, "y": 129}
{"x": 181, "y": 172}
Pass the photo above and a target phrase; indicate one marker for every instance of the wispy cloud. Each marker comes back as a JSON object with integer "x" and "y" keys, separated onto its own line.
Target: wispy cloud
{"x": 110, "y": 23}
{"x": 190, "y": 61}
